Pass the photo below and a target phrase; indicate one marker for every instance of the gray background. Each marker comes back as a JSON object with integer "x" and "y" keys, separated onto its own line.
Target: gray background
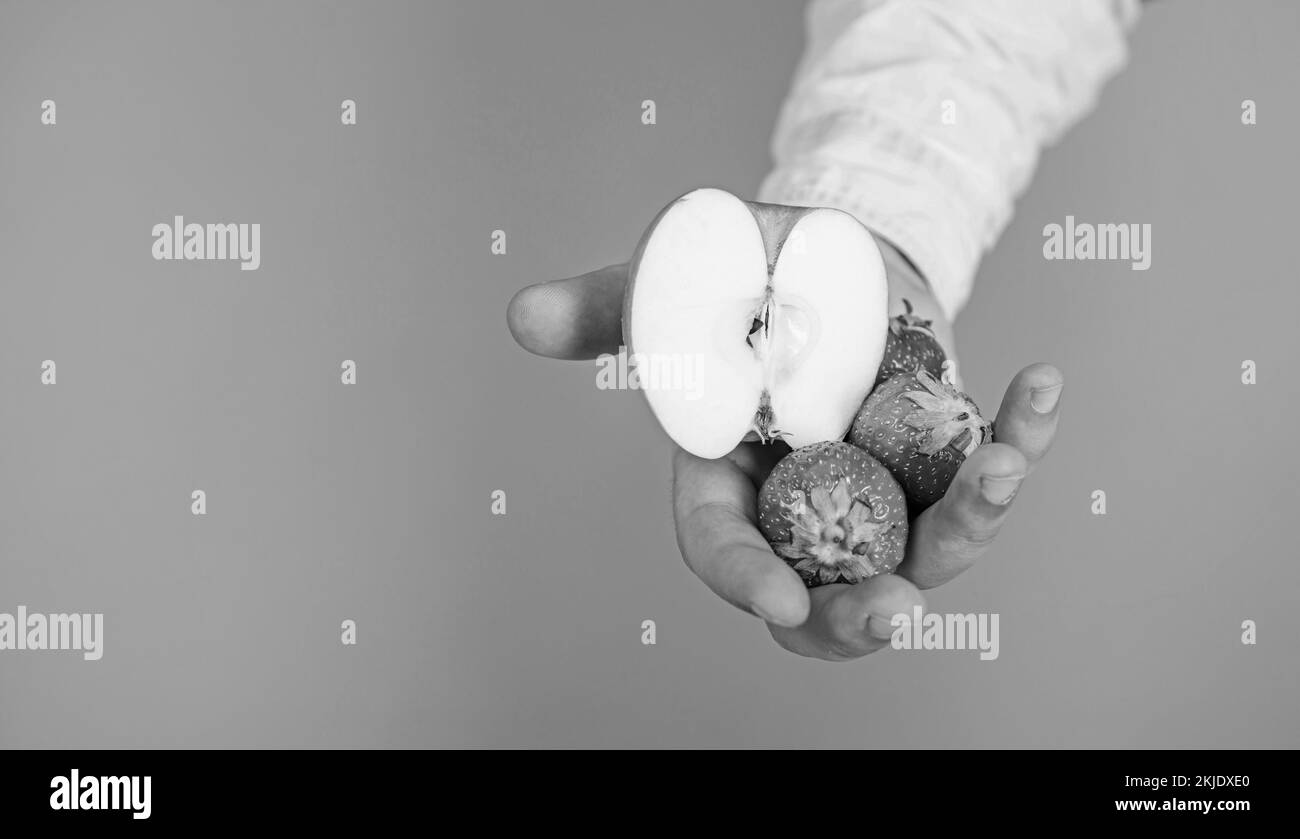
{"x": 371, "y": 502}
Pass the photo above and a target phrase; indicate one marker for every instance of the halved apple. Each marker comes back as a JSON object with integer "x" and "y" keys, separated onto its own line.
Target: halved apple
{"x": 781, "y": 312}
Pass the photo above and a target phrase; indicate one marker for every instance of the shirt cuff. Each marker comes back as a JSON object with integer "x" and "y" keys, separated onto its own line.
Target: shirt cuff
{"x": 943, "y": 251}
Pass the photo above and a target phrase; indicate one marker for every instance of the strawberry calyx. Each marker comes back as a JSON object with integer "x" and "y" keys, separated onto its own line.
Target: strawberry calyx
{"x": 945, "y": 417}
{"x": 908, "y": 322}
{"x": 831, "y": 533}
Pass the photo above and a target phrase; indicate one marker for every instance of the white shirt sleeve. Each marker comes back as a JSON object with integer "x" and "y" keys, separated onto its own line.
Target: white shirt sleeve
{"x": 924, "y": 118}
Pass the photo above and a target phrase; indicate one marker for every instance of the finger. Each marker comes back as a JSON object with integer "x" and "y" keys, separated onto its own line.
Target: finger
{"x": 851, "y": 621}
{"x": 577, "y": 318}
{"x": 713, "y": 507}
{"x": 1030, "y": 408}
{"x": 757, "y": 460}
{"x": 952, "y": 534}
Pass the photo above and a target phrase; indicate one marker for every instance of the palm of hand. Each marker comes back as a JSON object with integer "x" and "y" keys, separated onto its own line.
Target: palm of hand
{"x": 714, "y": 501}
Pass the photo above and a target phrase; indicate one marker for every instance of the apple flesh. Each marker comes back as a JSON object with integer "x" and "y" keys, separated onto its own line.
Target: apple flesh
{"x": 780, "y": 311}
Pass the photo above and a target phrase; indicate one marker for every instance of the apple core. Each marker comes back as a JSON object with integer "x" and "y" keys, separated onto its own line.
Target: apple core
{"x": 783, "y": 308}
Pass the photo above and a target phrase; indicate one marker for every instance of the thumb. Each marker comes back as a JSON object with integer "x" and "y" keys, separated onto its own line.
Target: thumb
{"x": 577, "y": 318}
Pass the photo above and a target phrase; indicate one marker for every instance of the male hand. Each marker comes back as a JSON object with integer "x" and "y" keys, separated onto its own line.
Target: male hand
{"x": 714, "y": 501}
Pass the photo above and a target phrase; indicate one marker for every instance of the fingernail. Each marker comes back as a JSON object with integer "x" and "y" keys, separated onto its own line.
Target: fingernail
{"x": 882, "y": 629}
{"x": 1044, "y": 399}
{"x": 1000, "y": 490}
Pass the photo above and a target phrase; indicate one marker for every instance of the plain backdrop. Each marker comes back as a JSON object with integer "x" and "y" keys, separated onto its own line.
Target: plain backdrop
{"x": 372, "y": 502}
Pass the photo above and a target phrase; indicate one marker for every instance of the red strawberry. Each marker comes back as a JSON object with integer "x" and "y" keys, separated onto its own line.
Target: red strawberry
{"x": 923, "y": 429}
{"x": 909, "y": 344}
{"x": 834, "y": 514}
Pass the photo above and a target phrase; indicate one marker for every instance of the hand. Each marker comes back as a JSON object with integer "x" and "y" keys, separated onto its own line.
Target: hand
{"x": 714, "y": 501}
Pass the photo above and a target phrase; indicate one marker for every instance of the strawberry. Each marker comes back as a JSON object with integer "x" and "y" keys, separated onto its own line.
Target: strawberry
{"x": 834, "y": 514}
{"x": 909, "y": 344}
{"x": 922, "y": 429}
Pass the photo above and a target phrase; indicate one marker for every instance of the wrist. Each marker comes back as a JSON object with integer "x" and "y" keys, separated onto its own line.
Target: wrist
{"x": 907, "y": 283}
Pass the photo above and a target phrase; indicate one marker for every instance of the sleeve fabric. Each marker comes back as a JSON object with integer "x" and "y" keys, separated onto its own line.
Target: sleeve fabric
{"x": 925, "y": 118}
